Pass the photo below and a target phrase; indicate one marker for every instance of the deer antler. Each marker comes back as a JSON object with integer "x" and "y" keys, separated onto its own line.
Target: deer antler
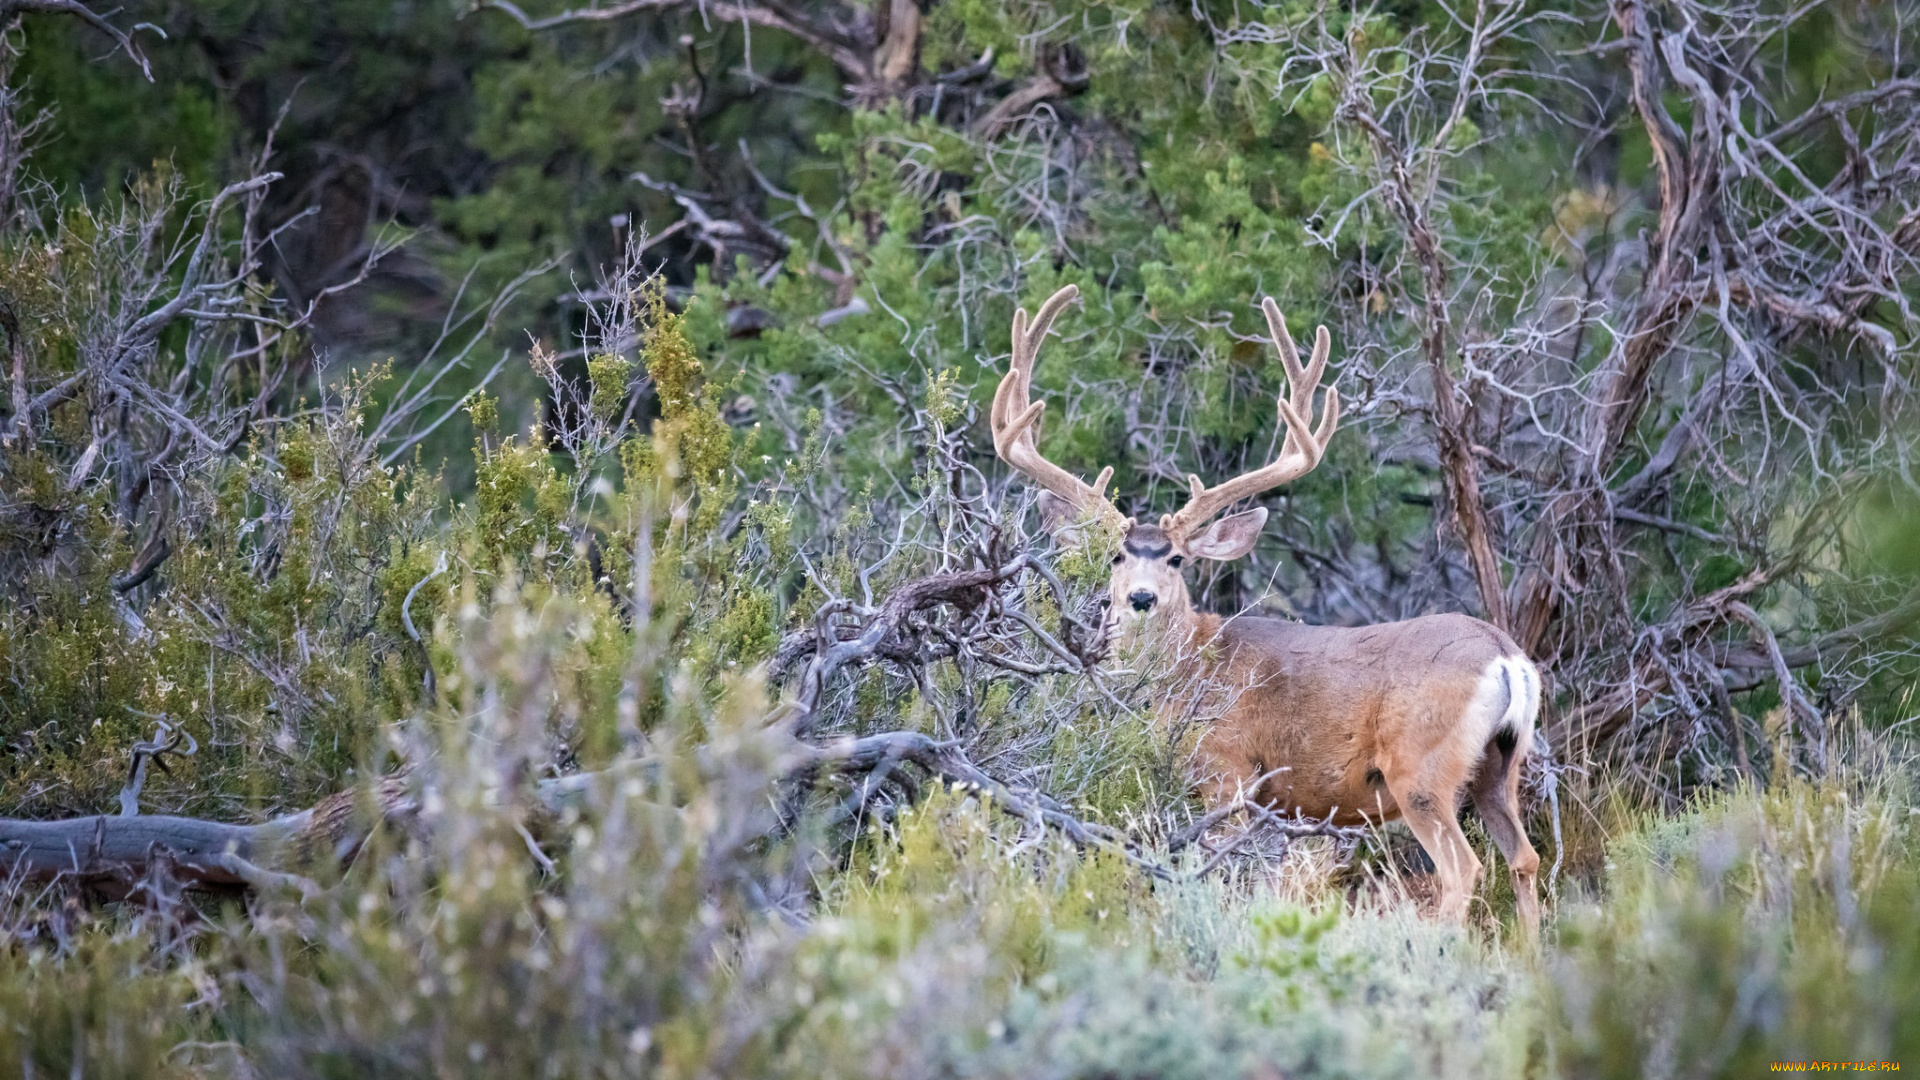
{"x": 1303, "y": 446}
{"x": 1016, "y": 419}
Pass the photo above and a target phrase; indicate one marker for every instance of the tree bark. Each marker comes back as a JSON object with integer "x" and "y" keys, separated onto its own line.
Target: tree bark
{"x": 111, "y": 852}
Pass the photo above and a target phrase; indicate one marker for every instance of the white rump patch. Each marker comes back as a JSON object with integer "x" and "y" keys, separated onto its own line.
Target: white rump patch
{"x": 1507, "y": 697}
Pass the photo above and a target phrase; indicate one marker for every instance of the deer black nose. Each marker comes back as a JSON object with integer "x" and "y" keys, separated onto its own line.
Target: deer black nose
{"x": 1142, "y": 600}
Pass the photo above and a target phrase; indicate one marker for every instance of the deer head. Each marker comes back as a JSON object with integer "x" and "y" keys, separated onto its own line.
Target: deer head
{"x": 1147, "y": 578}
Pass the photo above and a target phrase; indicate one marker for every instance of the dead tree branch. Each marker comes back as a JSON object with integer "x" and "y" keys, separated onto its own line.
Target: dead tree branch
{"x": 1733, "y": 337}
{"x": 9, "y": 9}
{"x": 111, "y": 854}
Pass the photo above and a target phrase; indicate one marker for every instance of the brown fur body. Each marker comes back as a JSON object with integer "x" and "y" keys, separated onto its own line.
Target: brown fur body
{"x": 1341, "y": 708}
{"x": 1404, "y": 720}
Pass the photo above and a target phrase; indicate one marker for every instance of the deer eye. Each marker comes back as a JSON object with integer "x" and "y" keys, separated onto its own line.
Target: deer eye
{"x": 1176, "y": 561}
{"x": 1118, "y": 559}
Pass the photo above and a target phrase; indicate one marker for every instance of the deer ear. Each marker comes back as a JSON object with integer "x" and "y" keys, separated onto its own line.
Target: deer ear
{"x": 1230, "y": 537}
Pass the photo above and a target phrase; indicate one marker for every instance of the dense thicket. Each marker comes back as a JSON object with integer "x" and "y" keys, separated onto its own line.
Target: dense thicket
{"x": 574, "y": 415}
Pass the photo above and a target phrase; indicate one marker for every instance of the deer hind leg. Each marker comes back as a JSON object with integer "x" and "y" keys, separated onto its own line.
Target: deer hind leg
{"x": 1496, "y": 798}
{"x": 1429, "y": 804}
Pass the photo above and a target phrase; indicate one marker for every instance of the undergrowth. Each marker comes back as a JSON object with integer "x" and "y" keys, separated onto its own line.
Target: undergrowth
{"x": 605, "y": 602}
{"x": 618, "y": 606}
{"x": 670, "y": 940}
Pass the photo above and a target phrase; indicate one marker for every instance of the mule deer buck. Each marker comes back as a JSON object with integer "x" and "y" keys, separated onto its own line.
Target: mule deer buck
{"x": 1361, "y": 724}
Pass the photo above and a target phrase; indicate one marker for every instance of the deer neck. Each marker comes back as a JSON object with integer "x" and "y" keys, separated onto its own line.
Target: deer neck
{"x": 1202, "y": 627}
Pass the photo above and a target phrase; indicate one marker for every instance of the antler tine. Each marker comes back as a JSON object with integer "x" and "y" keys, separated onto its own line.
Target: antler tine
{"x": 1303, "y": 447}
{"x": 1301, "y": 384}
{"x": 1015, "y": 419}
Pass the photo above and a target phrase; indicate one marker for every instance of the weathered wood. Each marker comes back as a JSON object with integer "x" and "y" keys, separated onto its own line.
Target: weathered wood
{"x": 112, "y": 851}
{"x": 206, "y": 852}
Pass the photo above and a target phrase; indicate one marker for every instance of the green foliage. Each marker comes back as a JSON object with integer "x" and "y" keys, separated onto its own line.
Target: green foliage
{"x": 949, "y": 938}
{"x": 614, "y": 601}
{"x": 262, "y": 649}
{"x": 937, "y": 866}
{"x": 1888, "y": 522}
{"x": 520, "y": 503}
{"x": 609, "y": 375}
{"x": 1759, "y": 927}
{"x": 700, "y": 440}
{"x": 483, "y": 410}
{"x": 113, "y": 126}
{"x": 105, "y": 1006}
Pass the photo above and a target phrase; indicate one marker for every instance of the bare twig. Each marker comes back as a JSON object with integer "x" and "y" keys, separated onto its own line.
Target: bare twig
{"x": 10, "y": 8}
{"x": 167, "y": 737}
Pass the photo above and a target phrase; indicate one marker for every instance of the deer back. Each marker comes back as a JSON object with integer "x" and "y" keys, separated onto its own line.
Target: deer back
{"x": 1334, "y": 706}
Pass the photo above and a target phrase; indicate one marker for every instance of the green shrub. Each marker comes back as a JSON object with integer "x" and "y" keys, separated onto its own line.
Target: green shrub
{"x": 1757, "y": 927}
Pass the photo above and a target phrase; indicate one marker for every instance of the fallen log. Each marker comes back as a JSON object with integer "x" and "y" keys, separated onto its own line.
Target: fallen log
{"x": 112, "y": 853}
